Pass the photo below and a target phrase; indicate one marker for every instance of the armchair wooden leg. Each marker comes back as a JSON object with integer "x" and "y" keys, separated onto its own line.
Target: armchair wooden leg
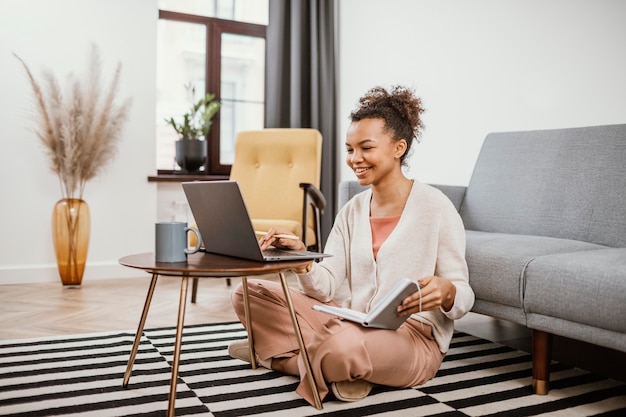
{"x": 194, "y": 289}
{"x": 542, "y": 356}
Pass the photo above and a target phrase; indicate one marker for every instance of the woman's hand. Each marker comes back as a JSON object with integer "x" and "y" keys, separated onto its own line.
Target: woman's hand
{"x": 273, "y": 238}
{"x": 284, "y": 239}
{"x": 435, "y": 292}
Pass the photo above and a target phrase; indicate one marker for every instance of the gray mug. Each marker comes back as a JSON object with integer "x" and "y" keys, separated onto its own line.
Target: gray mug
{"x": 171, "y": 243}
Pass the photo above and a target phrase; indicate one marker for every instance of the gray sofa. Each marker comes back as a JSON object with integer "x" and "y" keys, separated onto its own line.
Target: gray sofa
{"x": 545, "y": 219}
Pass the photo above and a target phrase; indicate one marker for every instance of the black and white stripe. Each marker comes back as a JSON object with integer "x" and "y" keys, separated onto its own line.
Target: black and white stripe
{"x": 82, "y": 376}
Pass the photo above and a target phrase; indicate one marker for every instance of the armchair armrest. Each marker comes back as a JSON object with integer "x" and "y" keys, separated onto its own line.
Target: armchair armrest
{"x": 312, "y": 197}
{"x": 314, "y": 194}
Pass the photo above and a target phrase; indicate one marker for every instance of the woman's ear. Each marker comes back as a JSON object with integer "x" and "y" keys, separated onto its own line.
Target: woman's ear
{"x": 401, "y": 148}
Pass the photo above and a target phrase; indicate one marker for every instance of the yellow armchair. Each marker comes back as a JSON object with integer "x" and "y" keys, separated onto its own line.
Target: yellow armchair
{"x": 278, "y": 172}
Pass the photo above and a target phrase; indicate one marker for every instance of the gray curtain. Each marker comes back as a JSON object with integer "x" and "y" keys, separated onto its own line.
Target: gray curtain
{"x": 301, "y": 80}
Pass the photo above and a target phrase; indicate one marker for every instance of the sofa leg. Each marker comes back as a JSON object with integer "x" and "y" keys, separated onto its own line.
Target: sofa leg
{"x": 542, "y": 356}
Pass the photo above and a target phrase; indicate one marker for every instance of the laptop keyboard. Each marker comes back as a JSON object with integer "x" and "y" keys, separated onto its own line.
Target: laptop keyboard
{"x": 274, "y": 252}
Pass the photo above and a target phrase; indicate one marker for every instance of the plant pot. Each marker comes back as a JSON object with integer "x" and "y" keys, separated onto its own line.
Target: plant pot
{"x": 71, "y": 228}
{"x": 190, "y": 154}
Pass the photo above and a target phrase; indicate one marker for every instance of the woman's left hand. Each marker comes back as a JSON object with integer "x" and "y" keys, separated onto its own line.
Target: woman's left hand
{"x": 435, "y": 292}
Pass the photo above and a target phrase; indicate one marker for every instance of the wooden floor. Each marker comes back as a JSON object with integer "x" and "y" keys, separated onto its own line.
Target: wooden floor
{"x": 48, "y": 309}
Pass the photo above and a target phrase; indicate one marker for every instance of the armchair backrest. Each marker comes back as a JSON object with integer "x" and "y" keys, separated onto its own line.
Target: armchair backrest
{"x": 269, "y": 166}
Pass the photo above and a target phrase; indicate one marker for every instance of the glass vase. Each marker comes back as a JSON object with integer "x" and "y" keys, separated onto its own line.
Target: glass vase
{"x": 71, "y": 227}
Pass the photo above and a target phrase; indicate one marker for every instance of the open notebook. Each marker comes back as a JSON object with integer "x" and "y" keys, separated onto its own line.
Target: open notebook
{"x": 383, "y": 315}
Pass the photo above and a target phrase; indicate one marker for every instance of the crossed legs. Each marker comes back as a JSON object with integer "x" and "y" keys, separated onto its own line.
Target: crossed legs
{"x": 339, "y": 350}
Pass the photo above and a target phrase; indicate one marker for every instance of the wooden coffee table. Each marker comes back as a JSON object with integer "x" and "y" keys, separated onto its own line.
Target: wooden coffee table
{"x": 207, "y": 265}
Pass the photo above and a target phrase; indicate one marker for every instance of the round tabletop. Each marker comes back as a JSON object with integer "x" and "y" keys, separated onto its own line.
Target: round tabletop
{"x": 202, "y": 264}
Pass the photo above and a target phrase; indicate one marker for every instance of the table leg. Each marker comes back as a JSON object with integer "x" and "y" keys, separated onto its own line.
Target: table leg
{"x": 246, "y": 309}
{"x": 142, "y": 322}
{"x": 177, "y": 345}
{"x": 303, "y": 352}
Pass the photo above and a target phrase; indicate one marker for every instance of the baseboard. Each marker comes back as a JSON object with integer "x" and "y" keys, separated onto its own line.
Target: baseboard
{"x": 23, "y": 274}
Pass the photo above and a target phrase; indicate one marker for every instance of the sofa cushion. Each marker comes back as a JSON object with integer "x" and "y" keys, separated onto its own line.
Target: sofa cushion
{"x": 581, "y": 287}
{"x": 497, "y": 262}
{"x": 564, "y": 183}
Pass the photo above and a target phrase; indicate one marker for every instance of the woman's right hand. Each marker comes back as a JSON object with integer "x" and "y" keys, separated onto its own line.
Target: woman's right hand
{"x": 273, "y": 238}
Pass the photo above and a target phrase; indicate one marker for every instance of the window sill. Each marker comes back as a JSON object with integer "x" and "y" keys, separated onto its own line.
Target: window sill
{"x": 185, "y": 177}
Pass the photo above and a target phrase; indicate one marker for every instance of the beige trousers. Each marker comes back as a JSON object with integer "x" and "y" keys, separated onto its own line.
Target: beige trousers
{"x": 339, "y": 350}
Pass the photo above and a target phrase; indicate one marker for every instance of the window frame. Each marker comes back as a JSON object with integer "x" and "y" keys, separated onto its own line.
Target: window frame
{"x": 215, "y": 27}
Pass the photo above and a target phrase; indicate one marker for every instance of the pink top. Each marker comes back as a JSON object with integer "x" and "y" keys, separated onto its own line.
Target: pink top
{"x": 381, "y": 229}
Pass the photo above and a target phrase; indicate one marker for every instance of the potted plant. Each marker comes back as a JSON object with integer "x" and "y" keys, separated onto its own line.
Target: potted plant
{"x": 191, "y": 150}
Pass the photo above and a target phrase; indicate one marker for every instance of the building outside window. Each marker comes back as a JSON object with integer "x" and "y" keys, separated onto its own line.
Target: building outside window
{"x": 215, "y": 46}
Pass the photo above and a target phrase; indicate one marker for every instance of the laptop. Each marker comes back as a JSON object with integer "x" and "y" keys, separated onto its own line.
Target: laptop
{"x": 222, "y": 218}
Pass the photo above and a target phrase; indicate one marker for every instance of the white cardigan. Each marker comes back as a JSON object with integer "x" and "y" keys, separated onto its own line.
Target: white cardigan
{"x": 429, "y": 239}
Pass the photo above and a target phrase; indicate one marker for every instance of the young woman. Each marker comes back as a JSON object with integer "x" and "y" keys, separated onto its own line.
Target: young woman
{"x": 398, "y": 228}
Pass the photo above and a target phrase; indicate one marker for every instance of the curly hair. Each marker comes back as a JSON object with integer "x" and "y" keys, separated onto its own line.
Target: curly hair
{"x": 399, "y": 108}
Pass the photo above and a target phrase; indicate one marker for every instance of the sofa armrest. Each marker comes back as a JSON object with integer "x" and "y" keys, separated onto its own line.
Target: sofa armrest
{"x": 348, "y": 188}
{"x": 456, "y": 193}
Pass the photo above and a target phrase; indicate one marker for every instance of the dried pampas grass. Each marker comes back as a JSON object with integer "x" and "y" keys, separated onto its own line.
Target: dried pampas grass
{"x": 80, "y": 131}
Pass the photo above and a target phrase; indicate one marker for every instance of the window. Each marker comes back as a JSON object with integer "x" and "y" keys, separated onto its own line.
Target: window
{"x": 217, "y": 47}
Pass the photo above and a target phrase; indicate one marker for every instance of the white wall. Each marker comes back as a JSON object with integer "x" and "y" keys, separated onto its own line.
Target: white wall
{"x": 57, "y": 35}
{"x": 485, "y": 65}
{"x": 172, "y": 204}
{"x": 480, "y": 66}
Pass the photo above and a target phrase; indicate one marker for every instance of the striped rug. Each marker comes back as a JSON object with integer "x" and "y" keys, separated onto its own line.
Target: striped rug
{"x": 81, "y": 376}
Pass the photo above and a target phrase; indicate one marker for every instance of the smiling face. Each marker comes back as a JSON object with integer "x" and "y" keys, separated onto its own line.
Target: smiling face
{"x": 372, "y": 153}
